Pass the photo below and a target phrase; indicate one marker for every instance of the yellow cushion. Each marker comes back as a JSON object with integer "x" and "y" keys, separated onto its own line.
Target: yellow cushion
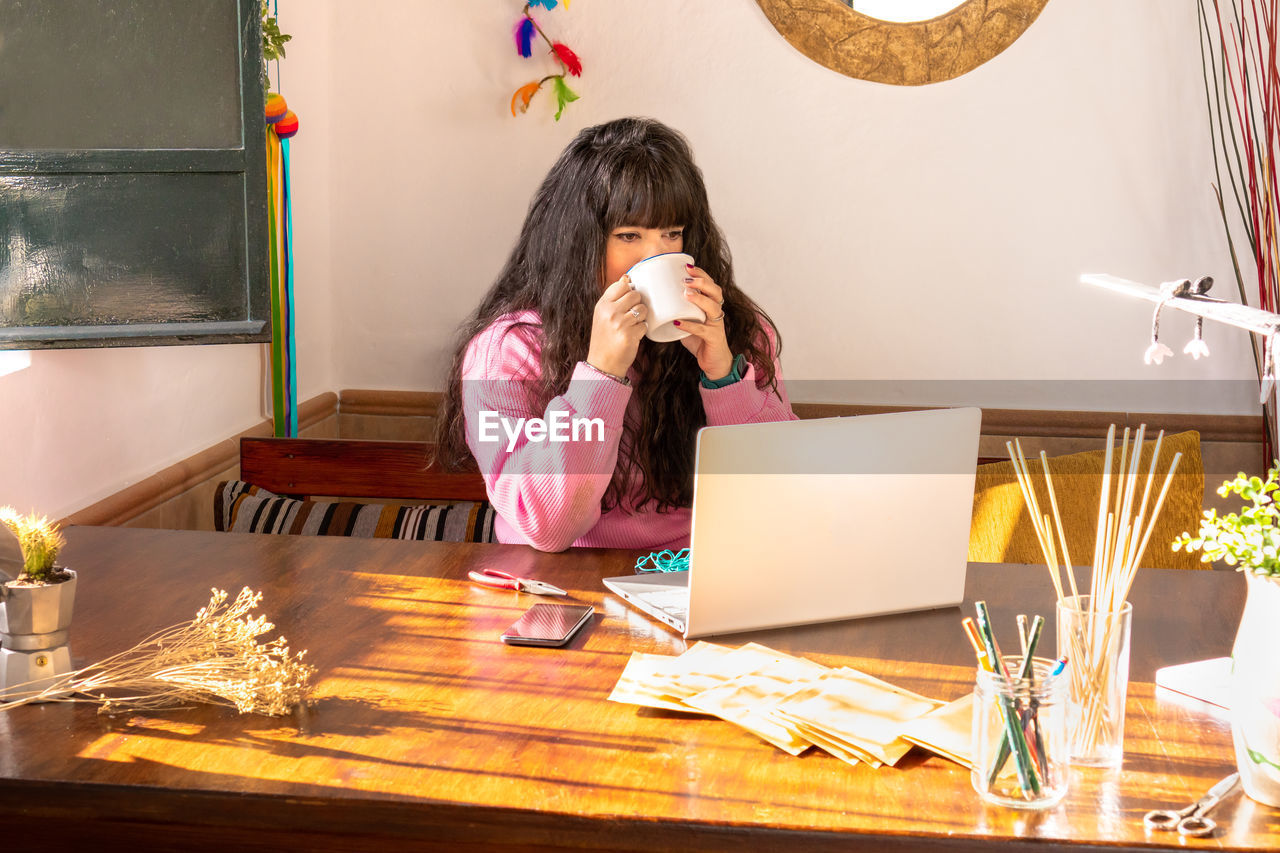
{"x": 1002, "y": 531}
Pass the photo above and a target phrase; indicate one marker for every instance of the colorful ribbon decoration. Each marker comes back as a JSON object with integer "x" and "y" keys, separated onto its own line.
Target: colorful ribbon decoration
{"x": 281, "y": 125}
{"x": 526, "y": 29}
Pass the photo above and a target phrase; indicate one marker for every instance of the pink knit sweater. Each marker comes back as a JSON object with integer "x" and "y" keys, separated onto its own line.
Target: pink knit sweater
{"x": 547, "y": 492}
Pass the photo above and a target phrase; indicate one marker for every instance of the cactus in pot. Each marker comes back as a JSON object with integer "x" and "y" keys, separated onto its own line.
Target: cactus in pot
{"x": 39, "y": 542}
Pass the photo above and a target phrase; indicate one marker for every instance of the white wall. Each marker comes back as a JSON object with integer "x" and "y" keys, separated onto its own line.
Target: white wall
{"x": 78, "y": 425}
{"x": 970, "y": 207}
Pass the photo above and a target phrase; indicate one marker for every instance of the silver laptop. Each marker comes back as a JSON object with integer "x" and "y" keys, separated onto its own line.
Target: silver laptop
{"x": 819, "y": 520}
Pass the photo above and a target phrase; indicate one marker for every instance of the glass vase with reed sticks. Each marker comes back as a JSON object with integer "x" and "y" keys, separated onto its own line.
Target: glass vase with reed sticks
{"x": 1238, "y": 44}
{"x": 1094, "y": 627}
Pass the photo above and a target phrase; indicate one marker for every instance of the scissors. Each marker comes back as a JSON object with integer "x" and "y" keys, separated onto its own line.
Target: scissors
{"x": 503, "y": 580}
{"x": 1191, "y": 821}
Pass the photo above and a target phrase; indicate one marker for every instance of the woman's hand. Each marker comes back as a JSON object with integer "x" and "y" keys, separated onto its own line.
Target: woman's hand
{"x": 617, "y": 326}
{"x": 707, "y": 340}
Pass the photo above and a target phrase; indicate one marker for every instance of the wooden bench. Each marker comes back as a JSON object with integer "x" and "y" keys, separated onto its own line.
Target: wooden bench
{"x": 350, "y": 468}
{"x": 391, "y": 471}
{"x": 387, "y": 470}
{"x": 344, "y": 487}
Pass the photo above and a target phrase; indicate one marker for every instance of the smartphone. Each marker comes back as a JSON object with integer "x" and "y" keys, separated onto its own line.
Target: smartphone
{"x": 548, "y": 625}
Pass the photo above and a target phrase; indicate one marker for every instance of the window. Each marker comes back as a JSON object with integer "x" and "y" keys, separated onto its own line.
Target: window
{"x": 132, "y": 174}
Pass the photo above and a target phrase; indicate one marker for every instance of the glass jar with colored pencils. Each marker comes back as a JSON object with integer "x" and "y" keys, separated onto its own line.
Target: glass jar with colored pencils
{"x": 1021, "y": 752}
{"x": 1031, "y": 710}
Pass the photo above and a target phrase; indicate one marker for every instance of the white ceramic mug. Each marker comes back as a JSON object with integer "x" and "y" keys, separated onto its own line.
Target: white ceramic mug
{"x": 660, "y": 281}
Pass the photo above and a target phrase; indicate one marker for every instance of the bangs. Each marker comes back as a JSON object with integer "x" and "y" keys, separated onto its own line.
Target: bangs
{"x": 647, "y": 195}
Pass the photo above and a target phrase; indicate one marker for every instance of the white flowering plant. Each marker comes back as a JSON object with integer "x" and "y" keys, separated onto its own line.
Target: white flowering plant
{"x": 1249, "y": 539}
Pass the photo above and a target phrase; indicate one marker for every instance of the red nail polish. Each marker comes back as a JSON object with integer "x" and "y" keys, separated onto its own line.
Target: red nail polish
{"x": 690, "y": 266}
{"x": 675, "y": 322}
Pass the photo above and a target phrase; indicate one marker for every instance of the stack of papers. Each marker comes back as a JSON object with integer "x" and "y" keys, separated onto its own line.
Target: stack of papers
{"x": 794, "y": 703}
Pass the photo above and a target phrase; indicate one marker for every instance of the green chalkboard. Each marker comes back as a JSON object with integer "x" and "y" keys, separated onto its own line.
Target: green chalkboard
{"x": 132, "y": 173}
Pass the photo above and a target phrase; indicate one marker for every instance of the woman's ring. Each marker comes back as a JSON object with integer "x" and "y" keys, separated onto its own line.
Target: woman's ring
{"x": 635, "y": 312}
{"x": 717, "y": 319}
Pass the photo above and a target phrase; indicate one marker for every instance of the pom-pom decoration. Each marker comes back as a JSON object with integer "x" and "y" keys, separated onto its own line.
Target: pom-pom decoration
{"x": 287, "y": 126}
{"x": 276, "y": 107}
{"x": 569, "y": 62}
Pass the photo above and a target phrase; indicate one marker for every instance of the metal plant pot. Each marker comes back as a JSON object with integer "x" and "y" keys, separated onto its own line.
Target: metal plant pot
{"x": 35, "y": 623}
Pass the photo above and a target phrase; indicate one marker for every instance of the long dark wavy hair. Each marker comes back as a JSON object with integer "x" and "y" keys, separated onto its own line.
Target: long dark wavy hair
{"x": 627, "y": 172}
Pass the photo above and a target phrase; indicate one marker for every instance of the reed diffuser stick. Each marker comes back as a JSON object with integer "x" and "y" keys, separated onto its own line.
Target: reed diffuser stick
{"x": 1044, "y": 535}
{"x": 1106, "y": 490}
{"x": 1126, "y": 521}
{"x": 1057, "y": 517}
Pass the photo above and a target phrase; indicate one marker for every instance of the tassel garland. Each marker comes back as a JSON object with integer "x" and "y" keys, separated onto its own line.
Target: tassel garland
{"x": 282, "y": 124}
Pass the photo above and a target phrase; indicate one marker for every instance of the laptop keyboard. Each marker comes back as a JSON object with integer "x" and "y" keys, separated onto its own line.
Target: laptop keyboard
{"x": 673, "y": 601}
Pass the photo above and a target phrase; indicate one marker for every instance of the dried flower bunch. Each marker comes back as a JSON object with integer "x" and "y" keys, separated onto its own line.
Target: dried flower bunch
{"x": 214, "y": 658}
{"x": 39, "y": 540}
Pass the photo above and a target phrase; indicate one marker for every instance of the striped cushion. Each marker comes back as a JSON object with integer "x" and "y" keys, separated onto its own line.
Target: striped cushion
{"x": 241, "y": 507}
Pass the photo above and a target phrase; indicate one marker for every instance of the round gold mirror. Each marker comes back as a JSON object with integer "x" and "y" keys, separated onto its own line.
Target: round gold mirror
{"x": 903, "y": 42}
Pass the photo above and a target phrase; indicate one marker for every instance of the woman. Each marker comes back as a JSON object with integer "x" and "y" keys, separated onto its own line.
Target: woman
{"x": 560, "y": 338}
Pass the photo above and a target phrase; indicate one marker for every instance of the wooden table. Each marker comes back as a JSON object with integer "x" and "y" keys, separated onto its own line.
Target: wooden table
{"x": 428, "y": 733}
